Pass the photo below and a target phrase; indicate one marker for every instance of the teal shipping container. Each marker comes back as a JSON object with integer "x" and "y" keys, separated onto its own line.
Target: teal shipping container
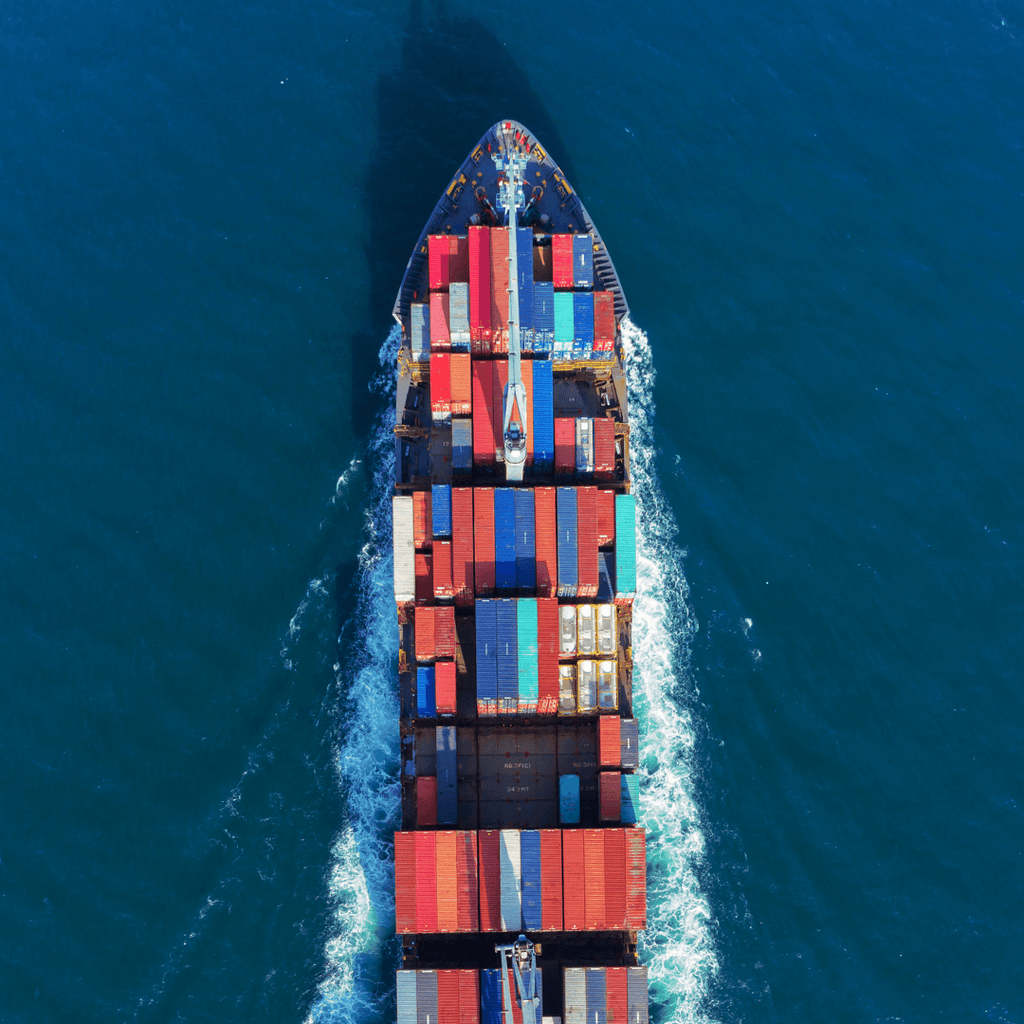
{"x": 630, "y": 813}
{"x": 625, "y": 548}
{"x": 569, "y": 799}
{"x": 564, "y": 326}
{"x": 526, "y": 623}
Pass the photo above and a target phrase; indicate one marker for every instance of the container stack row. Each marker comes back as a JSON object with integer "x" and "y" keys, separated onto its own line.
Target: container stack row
{"x": 604, "y": 994}
{"x": 489, "y": 380}
{"x": 509, "y": 880}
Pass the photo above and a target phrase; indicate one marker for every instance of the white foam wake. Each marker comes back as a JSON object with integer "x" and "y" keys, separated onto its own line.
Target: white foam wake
{"x": 678, "y": 946}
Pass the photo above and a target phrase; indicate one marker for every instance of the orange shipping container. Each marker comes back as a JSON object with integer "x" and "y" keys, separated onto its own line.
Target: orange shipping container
{"x": 593, "y": 869}
{"x": 605, "y": 518}
{"x": 442, "y": 569}
{"x": 462, "y": 384}
{"x": 447, "y": 883}
{"x": 405, "y": 882}
{"x": 636, "y": 878}
{"x": 424, "y": 628}
{"x": 615, "y": 881}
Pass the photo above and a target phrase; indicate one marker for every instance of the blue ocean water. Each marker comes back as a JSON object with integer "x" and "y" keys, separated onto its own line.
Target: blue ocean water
{"x": 816, "y": 211}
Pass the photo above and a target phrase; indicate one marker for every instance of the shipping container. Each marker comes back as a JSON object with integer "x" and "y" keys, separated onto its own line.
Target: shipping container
{"x": 444, "y": 688}
{"x": 419, "y": 331}
{"x": 405, "y": 882}
{"x": 569, "y": 799}
{"x": 467, "y": 877}
{"x": 551, "y": 879}
{"x": 604, "y": 447}
{"x": 583, "y": 261}
{"x": 618, "y": 1003}
{"x": 441, "y": 566}
{"x": 586, "y": 630}
{"x": 524, "y": 259}
{"x": 461, "y": 384}
{"x": 584, "y": 454}
{"x": 423, "y": 530}
{"x": 426, "y": 882}
{"x": 543, "y": 415}
{"x": 629, "y": 743}
{"x": 424, "y": 626}
{"x": 630, "y": 799}
{"x": 491, "y": 999}
{"x": 543, "y": 316}
{"x": 583, "y": 325}
{"x": 586, "y": 687}
{"x": 547, "y": 655}
{"x": 404, "y": 548}
{"x": 625, "y": 548}
{"x": 499, "y": 289}
{"x": 462, "y": 447}
{"x": 458, "y": 316}
{"x": 605, "y": 575}
{"x": 575, "y": 880}
{"x": 440, "y": 385}
{"x": 568, "y": 565}
{"x": 605, "y": 518}
{"x": 440, "y": 316}
{"x": 593, "y": 870}
{"x": 606, "y": 629}
{"x": 426, "y": 995}
{"x": 567, "y": 635}
{"x": 529, "y": 847}
{"x": 526, "y": 640}
{"x": 562, "y": 263}
{"x": 447, "y": 996}
{"x": 445, "y": 640}
{"x": 508, "y": 655}
{"x": 526, "y": 539}
{"x": 564, "y": 327}
{"x": 504, "y": 539}
{"x": 426, "y": 801}
{"x": 458, "y": 260}
{"x": 615, "y": 882}
{"x": 490, "y": 881}
{"x": 441, "y": 510}
{"x": 447, "y": 801}
{"x": 426, "y": 701}
{"x": 405, "y": 986}
{"x": 597, "y": 1003}
{"x": 480, "y": 289}
{"x": 438, "y": 251}
{"x": 424, "y": 578}
{"x": 609, "y": 742}
{"x": 607, "y": 685}
{"x": 546, "y": 541}
{"x": 462, "y": 545}
{"x": 609, "y": 793}
{"x": 565, "y": 446}
{"x": 511, "y": 881}
{"x": 499, "y": 381}
{"x": 567, "y": 689}
{"x": 486, "y": 616}
{"x": 636, "y": 879}
{"x": 483, "y": 539}
{"x": 484, "y": 441}
{"x": 604, "y": 323}
{"x": 636, "y": 995}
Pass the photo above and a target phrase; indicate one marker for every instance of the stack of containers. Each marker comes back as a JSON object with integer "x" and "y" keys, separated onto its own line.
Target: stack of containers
{"x": 568, "y": 567}
{"x": 569, "y": 799}
{"x": 529, "y": 852}
{"x": 546, "y": 541}
{"x": 426, "y": 801}
{"x": 447, "y": 260}
{"x": 543, "y": 416}
{"x": 447, "y": 804}
{"x": 462, "y": 545}
{"x": 462, "y": 446}
{"x": 526, "y": 640}
{"x": 636, "y": 878}
{"x": 440, "y": 317}
{"x": 441, "y": 570}
{"x": 510, "y": 859}
{"x": 604, "y": 325}
{"x": 426, "y": 702}
{"x": 508, "y": 656}
{"x": 625, "y": 549}
{"x": 489, "y": 872}
{"x": 525, "y": 541}
{"x": 484, "y": 440}
{"x": 583, "y": 325}
{"x": 630, "y": 799}
{"x": 441, "y": 510}
{"x": 499, "y": 289}
{"x": 486, "y": 616}
{"x": 565, "y": 446}
{"x": 551, "y": 879}
{"x": 402, "y": 516}
{"x": 593, "y": 870}
{"x": 424, "y": 579}
{"x": 436, "y": 882}
{"x": 564, "y": 327}
{"x": 524, "y": 257}
{"x": 440, "y": 386}
{"x": 422, "y": 526}
{"x": 449, "y": 997}
{"x": 405, "y": 882}
{"x": 609, "y": 742}
{"x": 419, "y": 331}
{"x": 604, "y": 994}
{"x": 461, "y": 384}
{"x": 444, "y": 688}
{"x": 505, "y": 539}
{"x": 491, "y": 1011}
{"x": 583, "y": 261}
{"x": 458, "y": 316}
{"x": 543, "y": 317}
{"x": 573, "y": 873}
{"x": 426, "y": 881}
{"x": 483, "y": 540}
{"x": 586, "y": 498}
{"x": 425, "y": 629}
{"x": 547, "y": 655}
{"x": 609, "y": 797}
{"x": 629, "y": 743}
{"x": 604, "y": 448}
{"x": 584, "y": 446}
{"x": 562, "y": 263}
{"x": 615, "y": 878}
{"x": 445, "y": 640}
{"x": 479, "y": 289}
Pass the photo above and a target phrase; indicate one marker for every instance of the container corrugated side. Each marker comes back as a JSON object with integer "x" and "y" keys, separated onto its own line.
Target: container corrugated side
{"x": 565, "y": 446}
{"x": 526, "y": 640}
{"x": 426, "y": 995}
{"x": 461, "y": 384}
{"x": 480, "y": 289}
{"x": 574, "y": 880}
{"x": 547, "y": 655}
{"x": 447, "y": 778}
{"x": 405, "y": 985}
{"x": 426, "y": 882}
{"x": 586, "y": 518}
{"x": 597, "y": 1003}
{"x": 419, "y": 331}
{"x": 546, "y": 541}
{"x": 444, "y": 687}
{"x": 583, "y": 261}
{"x": 458, "y": 316}
{"x": 440, "y": 316}
{"x": 462, "y": 545}
{"x": 511, "y": 880}
{"x": 524, "y": 259}
{"x": 404, "y": 548}
{"x": 445, "y": 639}
{"x": 441, "y": 565}
{"x": 608, "y": 742}
{"x": 618, "y": 1004}
{"x": 466, "y": 872}
{"x": 484, "y": 442}
{"x": 469, "y": 997}
{"x": 424, "y": 628}
{"x": 569, "y": 799}
{"x": 526, "y": 541}
{"x": 458, "y": 260}
{"x": 447, "y": 997}
{"x": 583, "y": 325}
{"x": 564, "y": 327}
{"x": 604, "y": 448}
{"x": 441, "y": 510}
{"x": 630, "y": 799}
{"x": 568, "y": 567}
{"x": 490, "y": 881}
{"x": 625, "y": 548}
{"x": 438, "y": 250}
{"x": 440, "y": 385}
{"x": 499, "y": 289}
{"x": 636, "y": 995}
{"x": 483, "y": 540}
{"x": 615, "y": 877}
{"x": 605, "y": 518}
{"x": 424, "y": 578}
{"x": 405, "y": 882}
{"x": 543, "y": 317}
{"x": 462, "y": 447}
{"x": 551, "y": 879}
{"x": 604, "y": 323}
{"x": 447, "y": 883}
{"x": 543, "y": 415}
{"x": 422, "y": 524}
{"x": 426, "y": 706}
{"x": 574, "y": 996}
{"x": 491, "y": 1011}
{"x": 508, "y": 656}
{"x": 529, "y": 846}
{"x": 609, "y": 795}
{"x": 486, "y": 615}
{"x": 563, "y": 270}
{"x": 504, "y": 539}
{"x": 629, "y": 743}
{"x": 593, "y": 867}
{"x": 636, "y": 878}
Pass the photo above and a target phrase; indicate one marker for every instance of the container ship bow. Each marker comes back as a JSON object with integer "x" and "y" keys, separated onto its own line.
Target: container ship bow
{"x": 520, "y": 869}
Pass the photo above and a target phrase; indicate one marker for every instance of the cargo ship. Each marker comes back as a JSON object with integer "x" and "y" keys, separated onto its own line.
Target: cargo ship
{"x": 520, "y": 866}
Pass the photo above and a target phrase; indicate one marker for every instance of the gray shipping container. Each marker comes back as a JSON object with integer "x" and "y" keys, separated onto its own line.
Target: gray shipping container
{"x": 447, "y": 782}
{"x": 630, "y": 742}
{"x": 458, "y": 315}
{"x": 404, "y": 548}
{"x": 636, "y": 995}
{"x": 419, "y": 331}
{"x": 462, "y": 444}
{"x": 426, "y": 996}
{"x": 405, "y": 982}
{"x": 574, "y": 995}
{"x": 511, "y": 881}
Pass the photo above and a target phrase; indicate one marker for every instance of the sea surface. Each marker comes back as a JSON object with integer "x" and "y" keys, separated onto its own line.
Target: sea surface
{"x": 817, "y": 212}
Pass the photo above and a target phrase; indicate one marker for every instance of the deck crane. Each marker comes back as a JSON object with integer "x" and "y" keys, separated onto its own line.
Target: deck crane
{"x": 523, "y": 957}
{"x": 511, "y": 200}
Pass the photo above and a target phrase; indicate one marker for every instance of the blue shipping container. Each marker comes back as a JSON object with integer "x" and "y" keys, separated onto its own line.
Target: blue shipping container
{"x": 405, "y": 983}
{"x": 462, "y": 444}
{"x": 529, "y": 846}
{"x": 630, "y": 799}
{"x": 426, "y": 702}
{"x": 526, "y": 547}
{"x": 569, "y": 799}
{"x": 597, "y": 996}
{"x": 441, "y": 509}
{"x": 490, "y": 995}
{"x": 568, "y": 562}
{"x": 524, "y": 254}
{"x": 543, "y": 316}
{"x": 486, "y": 614}
{"x": 508, "y": 649}
{"x": 543, "y": 414}
{"x": 583, "y": 325}
{"x": 583, "y": 261}
{"x": 426, "y": 995}
{"x": 605, "y": 576}
{"x": 447, "y": 799}
{"x": 505, "y": 538}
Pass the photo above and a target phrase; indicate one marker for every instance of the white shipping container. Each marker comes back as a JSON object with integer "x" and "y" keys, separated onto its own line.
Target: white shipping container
{"x": 511, "y": 881}
{"x": 458, "y": 315}
{"x": 584, "y": 446}
{"x": 566, "y": 629}
{"x": 404, "y": 548}
{"x": 574, "y": 991}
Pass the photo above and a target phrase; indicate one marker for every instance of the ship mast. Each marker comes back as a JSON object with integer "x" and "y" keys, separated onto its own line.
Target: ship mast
{"x": 511, "y": 200}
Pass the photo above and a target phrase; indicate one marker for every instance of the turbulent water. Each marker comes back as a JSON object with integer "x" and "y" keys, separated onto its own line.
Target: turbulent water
{"x": 816, "y": 212}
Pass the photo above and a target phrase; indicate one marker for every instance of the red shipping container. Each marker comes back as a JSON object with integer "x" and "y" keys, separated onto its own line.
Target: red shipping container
{"x": 440, "y": 331}
{"x": 546, "y": 522}
{"x": 445, "y": 640}
{"x": 447, "y": 883}
{"x": 609, "y": 795}
{"x": 636, "y": 878}
{"x": 424, "y": 628}
{"x": 615, "y": 876}
{"x": 593, "y": 869}
{"x": 444, "y": 687}
{"x": 490, "y": 882}
{"x": 551, "y": 879}
{"x": 574, "y": 882}
{"x": 499, "y": 381}
{"x": 479, "y": 289}
{"x": 484, "y": 442}
{"x": 438, "y": 255}
{"x": 547, "y": 655}
{"x": 442, "y": 567}
{"x": 440, "y": 384}
{"x": 586, "y": 526}
{"x": 448, "y": 997}
{"x": 562, "y": 264}
{"x": 469, "y": 997}
{"x": 499, "y": 289}
{"x": 461, "y": 384}
{"x": 462, "y": 545}
{"x": 422, "y": 525}
{"x": 426, "y": 882}
{"x": 565, "y": 446}
{"x": 426, "y": 801}
{"x": 604, "y": 445}
{"x": 604, "y": 322}
{"x": 616, "y": 994}
{"x": 405, "y": 882}
{"x": 424, "y": 579}
{"x": 466, "y": 872}
{"x": 483, "y": 540}
{"x": 605, "y": 518}
{"x": 526, "y": 368}
{"x": 609, "y": 742}
{"x": 458, "y": 258}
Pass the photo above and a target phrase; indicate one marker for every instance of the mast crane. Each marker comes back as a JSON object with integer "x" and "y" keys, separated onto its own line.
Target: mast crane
{"x": 522, "y": 955}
